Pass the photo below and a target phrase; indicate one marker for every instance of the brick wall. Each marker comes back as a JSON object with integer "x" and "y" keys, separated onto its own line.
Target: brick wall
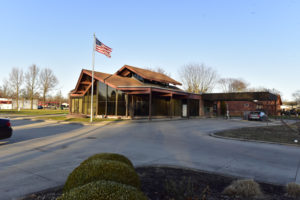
{"x": 237, "y": 108}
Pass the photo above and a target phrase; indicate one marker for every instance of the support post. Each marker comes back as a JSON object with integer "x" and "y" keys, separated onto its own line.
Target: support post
{"x": 116, "y": 106}
{"x": 70, "y": 104}
{"x": 132, "y": 107}
{"x": 188, "y": 108}
{"x": 150, "y": 103}
{"x": 200, "y": 108}
{"x": 171, "y": 106}
{"x": 126, "y": 100}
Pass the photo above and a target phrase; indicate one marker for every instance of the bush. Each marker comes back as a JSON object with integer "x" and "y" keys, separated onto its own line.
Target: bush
{"x": 108, "y": 170}
{"x": 109, "y": 156}
{"x": 243, "y": 188}
{"x": 104, "y": 190}
{"x": 293, "y": 190}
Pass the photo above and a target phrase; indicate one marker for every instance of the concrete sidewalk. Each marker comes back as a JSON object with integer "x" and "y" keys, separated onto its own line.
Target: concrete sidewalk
{"x": 41, "y": 163}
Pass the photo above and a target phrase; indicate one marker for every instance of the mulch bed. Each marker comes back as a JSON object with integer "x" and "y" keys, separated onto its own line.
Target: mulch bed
{"x": 170, "y": 183}
{"x": 278, "y": 134}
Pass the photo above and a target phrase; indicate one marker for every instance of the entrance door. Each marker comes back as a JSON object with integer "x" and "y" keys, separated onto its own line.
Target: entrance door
{"x": 184, "y": 110}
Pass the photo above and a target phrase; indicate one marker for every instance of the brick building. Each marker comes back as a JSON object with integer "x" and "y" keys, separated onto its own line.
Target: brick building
{"x": 243, "y": 102}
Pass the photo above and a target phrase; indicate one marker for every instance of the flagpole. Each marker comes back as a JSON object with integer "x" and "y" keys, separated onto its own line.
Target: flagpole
{"x": 93, "y": 65}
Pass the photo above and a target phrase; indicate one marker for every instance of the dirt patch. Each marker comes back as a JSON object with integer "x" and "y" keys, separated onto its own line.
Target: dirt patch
{"x": 276, "y": 134}
{"x": 169, "y": 183}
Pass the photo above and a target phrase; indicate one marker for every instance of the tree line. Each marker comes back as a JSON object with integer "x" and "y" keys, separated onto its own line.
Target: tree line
{"x": 200, "y": 78}
{"x": 35, "y": 83}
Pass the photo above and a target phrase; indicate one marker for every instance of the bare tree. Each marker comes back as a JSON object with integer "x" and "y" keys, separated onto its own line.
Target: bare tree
{"x": 31, "y": 80}
{"x": 198, "y": 78}
{"x": 159, "y": 70}
{"x": 264, "y": 89}
{"x": 233, "y": 85}
{"x": 16, "y": 81}
{"x": 47, "y": 82}
{"x": 296, "y": 96}
{"x": 59, "y": 97}
{"x": 5, "y": 89}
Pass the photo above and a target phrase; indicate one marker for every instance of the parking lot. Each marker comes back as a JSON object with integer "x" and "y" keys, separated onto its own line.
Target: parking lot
{"x": 41, "y": 154}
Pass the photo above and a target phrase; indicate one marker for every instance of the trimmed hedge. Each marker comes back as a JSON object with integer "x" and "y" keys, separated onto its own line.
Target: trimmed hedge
{"x": 109, "y": 156}
{"x": 246, "y": 188}
{"x": 96, "y": 170}
{"x": 104, "y": 190}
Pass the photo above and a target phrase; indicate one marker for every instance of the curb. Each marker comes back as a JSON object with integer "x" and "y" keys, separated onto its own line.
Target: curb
{"x": 110, "y": 122}
{"x": 254, "y": 141}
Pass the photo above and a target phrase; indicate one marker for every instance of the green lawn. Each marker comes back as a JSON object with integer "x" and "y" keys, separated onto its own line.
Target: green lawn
{"x": 63, "y": 118}
{"x": 33, "y": 112}
{"x": 277, "y": 134}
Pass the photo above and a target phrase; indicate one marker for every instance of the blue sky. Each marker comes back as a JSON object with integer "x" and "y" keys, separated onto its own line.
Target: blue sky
{"x": 257, "y": 40}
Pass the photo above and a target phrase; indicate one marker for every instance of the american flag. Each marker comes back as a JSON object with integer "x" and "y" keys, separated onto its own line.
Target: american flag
{"x": 102, "y": 48}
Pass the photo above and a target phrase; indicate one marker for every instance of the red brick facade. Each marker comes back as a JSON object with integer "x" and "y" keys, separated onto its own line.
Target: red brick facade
{"x": 239, "y": 107}
{"x": 238, "y": 104}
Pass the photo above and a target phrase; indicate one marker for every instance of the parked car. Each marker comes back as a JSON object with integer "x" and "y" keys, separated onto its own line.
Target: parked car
{"x": 258, "y": 115}
{"x": 5, "y": 128}
{"x": 40, "y": 107}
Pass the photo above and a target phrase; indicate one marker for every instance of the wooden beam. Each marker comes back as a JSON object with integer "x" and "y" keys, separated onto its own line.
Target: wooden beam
{"x": 166, "y": 95}
{"x": 76, "y": 95}
{"x": 139, "y": 92}
{"x": 85, "y": 82}
{"x": 90, "y": 85}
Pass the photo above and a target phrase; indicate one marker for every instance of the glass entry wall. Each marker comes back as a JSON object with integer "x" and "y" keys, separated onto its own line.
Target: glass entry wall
{"x": 102, "y": 93}
{"x": 177, "y": 107}
{"x": 141, "y": 105}
{"x": 160, "y": 106}
{"x": 110, "y": 100}
{"x": 76, "y": 105}
{"x": 121, "y": 103}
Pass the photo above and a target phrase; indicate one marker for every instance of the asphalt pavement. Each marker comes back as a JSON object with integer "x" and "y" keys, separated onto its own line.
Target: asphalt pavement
{"x": 40, "y": 155}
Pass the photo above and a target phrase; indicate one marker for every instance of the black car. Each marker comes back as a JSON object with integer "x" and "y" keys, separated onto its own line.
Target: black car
{"x": 5, "y": 128}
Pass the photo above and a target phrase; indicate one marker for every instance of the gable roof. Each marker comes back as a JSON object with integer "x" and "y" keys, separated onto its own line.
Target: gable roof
{"x": 116, "y": 81}
{"x": 148, "y": 74}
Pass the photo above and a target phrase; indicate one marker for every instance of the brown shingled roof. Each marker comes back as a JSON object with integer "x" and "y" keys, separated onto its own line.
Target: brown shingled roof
{"x": 149, "y": 75}
{"x": 115, "y": 80}
{"x": 99, "y": 75}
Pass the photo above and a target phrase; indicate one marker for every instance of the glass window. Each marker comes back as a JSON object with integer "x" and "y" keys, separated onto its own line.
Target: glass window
{"x": 111, "y": 100}
{"x": 177, "y": 107}
{"x": 121, "y": 103}
{"x": 141, "y": 107}
{"x": 160, "y": 106}
{"x": 102, "y": 94}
